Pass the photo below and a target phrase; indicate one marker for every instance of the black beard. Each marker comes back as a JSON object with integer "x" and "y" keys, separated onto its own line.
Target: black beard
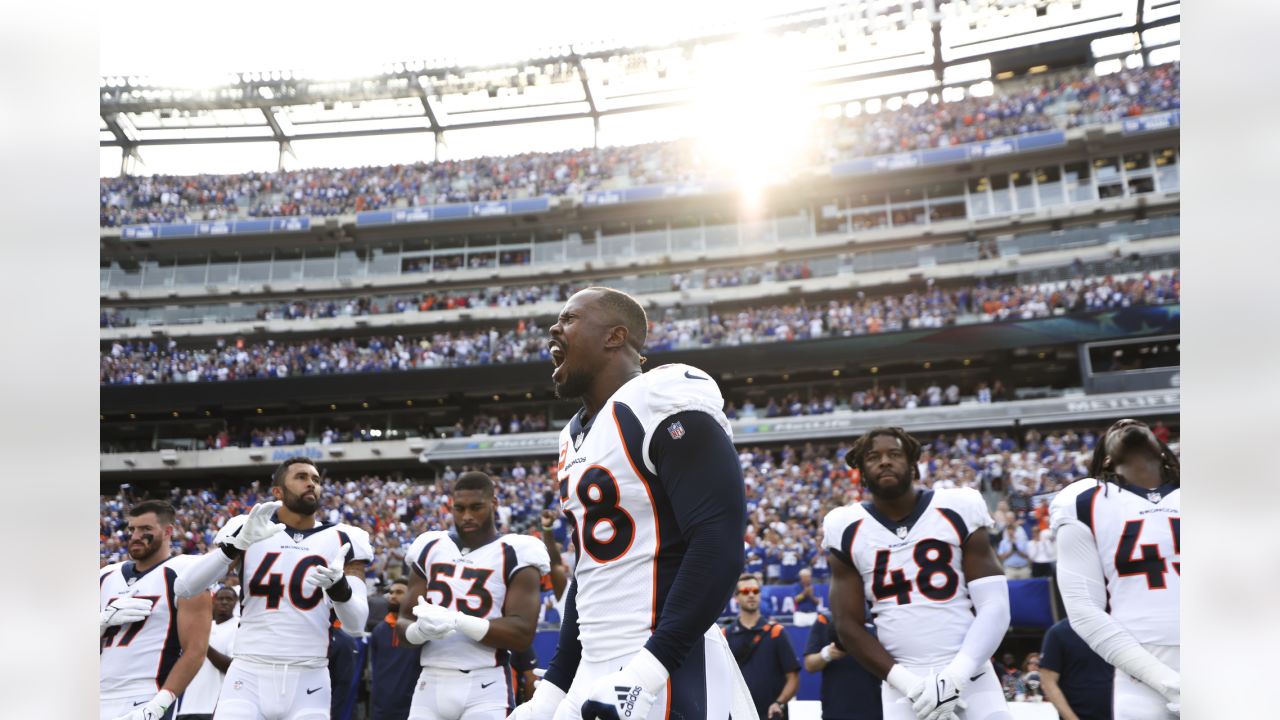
{"x": 892, "y": 492}
{"x": 575, "y": 385}
{"x": 300, "y": 504}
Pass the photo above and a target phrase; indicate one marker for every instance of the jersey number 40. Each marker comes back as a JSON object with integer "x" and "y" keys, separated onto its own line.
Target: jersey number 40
{"x": 933, "y": 557}
{"x": 269, "y": 585}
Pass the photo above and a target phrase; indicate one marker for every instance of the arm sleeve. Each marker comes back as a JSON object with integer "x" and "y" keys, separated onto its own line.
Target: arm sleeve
{"x": 564, "y": 664}
{"x": 702, "y": 478}
{"x": 990, "y": 597}
{"x": 1084, "y": 593}
{"x": 210, "y": 567}
{"x": 354, "y": 611}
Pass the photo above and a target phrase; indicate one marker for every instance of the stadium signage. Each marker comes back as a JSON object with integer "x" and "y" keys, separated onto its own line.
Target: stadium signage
{"x": 647, "y": 193}
{"x": 951, "y": 155}
{"x": 1148, "y": 123}
{"x": 253, "y": 226}
{"x": 453, "y": 211}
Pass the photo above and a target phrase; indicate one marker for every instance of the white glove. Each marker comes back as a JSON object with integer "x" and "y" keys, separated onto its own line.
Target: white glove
{"x": 152, "y": 709}
{"x": 957, "y": 681}
{"x": 938, "y": 699}
{"x": 122, "y": 611}
{"x": 628, "y": 694}
{"x": 1173, "y": 693}
{"x": 433, "y": 623}
{"x": 325, "y": 577}
{"x": 542, "y": 706}
{"x": 258, "y": 526}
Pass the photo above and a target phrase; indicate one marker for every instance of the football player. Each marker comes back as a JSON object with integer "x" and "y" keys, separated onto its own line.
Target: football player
{"x": 296, "y": 570}
{"x": 473, "y": 598}
{"x": 1120, "y": 568}
{"x": 152, "y": 642}
{"x": 938, "y": 596}
{"x": 653, "y": 493}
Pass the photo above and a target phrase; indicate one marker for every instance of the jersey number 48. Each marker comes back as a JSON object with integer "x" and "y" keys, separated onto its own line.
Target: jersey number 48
{"x": 933, "y": 557}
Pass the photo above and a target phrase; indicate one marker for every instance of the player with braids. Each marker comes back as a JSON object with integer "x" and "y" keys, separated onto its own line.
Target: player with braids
{"x": 1119, "y": 566}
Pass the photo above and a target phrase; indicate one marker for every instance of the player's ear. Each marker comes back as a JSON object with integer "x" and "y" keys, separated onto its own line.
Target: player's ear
{"x": 616, "y": 338}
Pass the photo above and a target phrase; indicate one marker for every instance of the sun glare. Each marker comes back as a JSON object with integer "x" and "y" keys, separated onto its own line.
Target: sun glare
{"x": 750, "y": 115}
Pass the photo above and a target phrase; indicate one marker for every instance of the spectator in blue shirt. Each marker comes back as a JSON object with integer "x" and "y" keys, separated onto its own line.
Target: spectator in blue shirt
{"x": 1014, "y": 553}
{"x": 849, "y": 691}
{"x": 764, "y": 653}
{"x": 394, "y": 665}
{"x": 1073, "y": 677}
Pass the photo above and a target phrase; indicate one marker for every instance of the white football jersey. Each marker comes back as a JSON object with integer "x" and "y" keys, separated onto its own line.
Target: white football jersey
{"x": 472, "y": 581}
{"x": 912, "y": 571}
{"x": 1138, "y": 536}
{"x": 280, "y": 616}
{"x": 628, "y": 545}
{"x": 137, "y": 657}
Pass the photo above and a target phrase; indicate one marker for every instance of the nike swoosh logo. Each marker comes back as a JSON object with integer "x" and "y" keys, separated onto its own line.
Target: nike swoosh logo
{"x": 975, "y": 677}
{"x": 144, "y": 702}
{"x": 315, "y": 690}
{"x": 485, "y": 685}
{"x": 694, "y": 377}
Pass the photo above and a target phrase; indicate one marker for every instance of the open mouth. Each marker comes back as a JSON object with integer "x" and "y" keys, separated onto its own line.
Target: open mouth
{"x": 557, "y": 354}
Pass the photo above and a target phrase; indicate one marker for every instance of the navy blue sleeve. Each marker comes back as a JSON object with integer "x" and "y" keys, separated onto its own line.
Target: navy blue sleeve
{"x": 564, "y": 664}
{"x": 698, "y": 470}
{"x": 817, "y": 636}
{"x": 1051, "y": 652}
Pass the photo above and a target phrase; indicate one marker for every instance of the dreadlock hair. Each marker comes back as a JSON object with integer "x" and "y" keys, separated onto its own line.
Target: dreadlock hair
{"x": 910, "y": 446}
{"x": 1170, "y": 467}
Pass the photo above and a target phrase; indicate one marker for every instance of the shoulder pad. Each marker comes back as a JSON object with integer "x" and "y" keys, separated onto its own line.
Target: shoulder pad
{"x": 361, "y": 547}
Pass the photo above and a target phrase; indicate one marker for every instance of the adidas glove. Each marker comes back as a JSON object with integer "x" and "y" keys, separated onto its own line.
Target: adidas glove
{"x": 153, "y": 709}
{"x": 628, "y": 694}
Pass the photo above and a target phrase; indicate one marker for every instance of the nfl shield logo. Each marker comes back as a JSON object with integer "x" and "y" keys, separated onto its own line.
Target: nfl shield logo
{"x": 676, "y": 430}
{"x": 237, "y": 685}
{"x": 577, "y": 441}
{"x": 297, "y": 537}
{"x": 1154, "y": 496}
{"x": 902, "y": 532}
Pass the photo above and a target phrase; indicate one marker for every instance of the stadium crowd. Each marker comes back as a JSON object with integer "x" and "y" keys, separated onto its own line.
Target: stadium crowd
{"x": 151, "y": 361}
{"x": 788, "y": 489}
{"x": 1069, "y": 99}
{"x": 1062, "y": 100}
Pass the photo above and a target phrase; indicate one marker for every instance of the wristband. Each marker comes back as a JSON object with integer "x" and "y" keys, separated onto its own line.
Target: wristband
{"x": 164, "y": 698}
{"x": 826, "y": 653}
{"x": 340, "y": 591}
{"x": 902, "y": 679}
{"x": 473, "y": 627}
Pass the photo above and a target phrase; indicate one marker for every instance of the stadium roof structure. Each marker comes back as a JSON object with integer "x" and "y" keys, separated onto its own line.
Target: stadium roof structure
{"x": 840, "y": 52}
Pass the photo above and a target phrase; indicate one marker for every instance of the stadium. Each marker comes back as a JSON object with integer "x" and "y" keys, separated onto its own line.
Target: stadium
{"x": 958, "y": 218}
